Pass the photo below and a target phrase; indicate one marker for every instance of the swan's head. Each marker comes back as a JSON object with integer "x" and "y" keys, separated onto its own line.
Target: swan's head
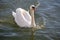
{"x": 32, "y": 7}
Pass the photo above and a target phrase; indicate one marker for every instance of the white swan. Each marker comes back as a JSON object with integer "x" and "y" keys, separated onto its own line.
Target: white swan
{"x": 24, "y": 18}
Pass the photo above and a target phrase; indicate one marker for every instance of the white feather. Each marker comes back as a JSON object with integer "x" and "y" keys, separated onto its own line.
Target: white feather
{"x": 14, "y": 14}
{"x": 22, "y": 17}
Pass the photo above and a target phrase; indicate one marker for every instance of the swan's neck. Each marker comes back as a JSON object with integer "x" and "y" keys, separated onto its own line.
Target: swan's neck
{"x": 32, "y": 18}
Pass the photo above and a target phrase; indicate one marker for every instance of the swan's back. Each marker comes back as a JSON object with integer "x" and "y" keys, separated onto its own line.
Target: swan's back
{"x": 22, "y": 17}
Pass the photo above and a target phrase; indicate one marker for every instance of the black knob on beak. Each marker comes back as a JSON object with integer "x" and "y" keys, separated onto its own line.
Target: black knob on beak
{"x": 33, "y": 8}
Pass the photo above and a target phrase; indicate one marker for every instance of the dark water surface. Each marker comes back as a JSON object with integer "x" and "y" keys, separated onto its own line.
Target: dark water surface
{"x": 49, "y": 11}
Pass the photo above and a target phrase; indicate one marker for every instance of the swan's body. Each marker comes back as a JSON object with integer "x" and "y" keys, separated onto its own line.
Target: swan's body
{"x": 23, "y": 18}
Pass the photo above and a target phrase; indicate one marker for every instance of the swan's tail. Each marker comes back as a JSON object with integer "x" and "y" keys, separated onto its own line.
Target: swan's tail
{"x": 14, "y": 14}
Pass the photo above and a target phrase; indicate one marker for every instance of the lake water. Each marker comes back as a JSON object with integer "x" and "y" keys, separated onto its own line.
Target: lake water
{"x": 47, "y": 14}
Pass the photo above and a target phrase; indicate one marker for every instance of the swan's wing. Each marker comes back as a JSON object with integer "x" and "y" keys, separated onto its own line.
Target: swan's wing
{"x": 22, "y": 17}
{"x": 27, "y": 16}
{"x": 24, "y": 13}
{"x": 14, "y": 14}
